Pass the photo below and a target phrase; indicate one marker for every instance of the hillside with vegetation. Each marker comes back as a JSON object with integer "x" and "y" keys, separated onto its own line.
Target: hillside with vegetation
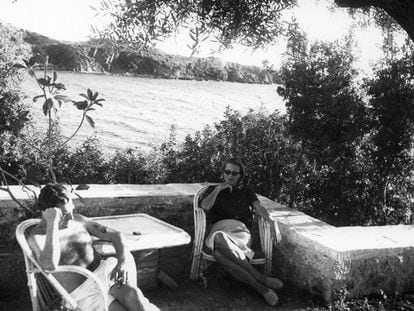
{"x": 100, "y": 56}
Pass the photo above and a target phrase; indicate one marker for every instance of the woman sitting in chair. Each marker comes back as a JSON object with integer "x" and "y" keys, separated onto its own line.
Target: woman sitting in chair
{"x": 228, "y": 206}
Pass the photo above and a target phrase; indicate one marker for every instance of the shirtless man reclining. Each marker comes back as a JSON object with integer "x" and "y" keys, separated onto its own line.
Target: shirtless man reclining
{"x": 64, "y": 238}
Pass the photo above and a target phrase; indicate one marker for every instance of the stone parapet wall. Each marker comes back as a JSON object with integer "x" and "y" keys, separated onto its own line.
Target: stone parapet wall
{"x": 171, "y": 203}
{"x": 322, "y": 259}
{"x": 313, "y": 255}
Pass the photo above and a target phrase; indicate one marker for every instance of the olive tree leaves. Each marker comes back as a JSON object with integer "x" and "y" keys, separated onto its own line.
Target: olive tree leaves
{"x": 253, "y": 24}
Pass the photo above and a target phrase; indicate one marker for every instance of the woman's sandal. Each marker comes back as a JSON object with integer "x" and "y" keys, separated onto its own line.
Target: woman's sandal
{"x": 271, "y": 297}
{"x": 274, "y": 283}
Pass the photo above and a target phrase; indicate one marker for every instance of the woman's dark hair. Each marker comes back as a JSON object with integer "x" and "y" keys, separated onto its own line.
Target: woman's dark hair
{"x": 52, "y": 195}
{"x": 238, "y": 162}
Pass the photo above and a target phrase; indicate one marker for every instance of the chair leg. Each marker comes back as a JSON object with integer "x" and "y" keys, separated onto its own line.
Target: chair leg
{"x": 31, "y": 283}
{"x": 268, "y": 256}
{"x": 195, "y": 266}
{"x": 196, "y": 254}
{"x": 267, "y": 268}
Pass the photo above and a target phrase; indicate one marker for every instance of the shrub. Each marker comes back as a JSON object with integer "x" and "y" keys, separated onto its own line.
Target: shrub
{"x": 326, "y": 115}
{"x": 261, "y": 141}
{"x": 86, "y": 164}
{"x": 391, "y": 93}
{"x": 14, "y": 113}
{"x": 128, "y": 166}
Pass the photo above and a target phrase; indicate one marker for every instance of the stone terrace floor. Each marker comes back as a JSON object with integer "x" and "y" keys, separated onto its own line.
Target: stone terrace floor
{"x": 222, "y": 293}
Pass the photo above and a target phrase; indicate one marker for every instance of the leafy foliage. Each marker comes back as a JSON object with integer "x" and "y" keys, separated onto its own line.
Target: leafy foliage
{"x": 11, "y": 49}
{"x": 25, "y": 157}
{"x": 391, "y": 113}
{"x": 128, "y": 167}
{"x": 53, "y": 98}
{"x": 14, "y": 113}
{"x": 262, "y": 141}
{"x": 86, "y": 164}
{"x": 77, "y": 57}
{"x": 253, "y": 23}
{"x": 326, "y": 116}
{"x": 352, "y": 153}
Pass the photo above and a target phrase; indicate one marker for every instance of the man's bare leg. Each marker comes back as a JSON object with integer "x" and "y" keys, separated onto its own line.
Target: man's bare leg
{"x": 129, "y": 295}
{"x": 131, "y": 298}
{"x": 116, "y": 306}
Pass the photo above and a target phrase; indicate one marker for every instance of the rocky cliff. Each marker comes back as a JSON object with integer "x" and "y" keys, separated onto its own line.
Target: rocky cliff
{"x": 99, "y": 56}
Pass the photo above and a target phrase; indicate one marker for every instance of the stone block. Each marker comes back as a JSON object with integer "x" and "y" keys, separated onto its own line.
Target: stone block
{"x": 322, "y": 259}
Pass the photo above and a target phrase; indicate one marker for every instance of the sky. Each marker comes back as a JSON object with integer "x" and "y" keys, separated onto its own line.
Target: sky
{"x": 71, "y": 20}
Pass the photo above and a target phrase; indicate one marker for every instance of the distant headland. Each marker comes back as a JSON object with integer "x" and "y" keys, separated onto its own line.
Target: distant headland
{"x": 100, "y": 56}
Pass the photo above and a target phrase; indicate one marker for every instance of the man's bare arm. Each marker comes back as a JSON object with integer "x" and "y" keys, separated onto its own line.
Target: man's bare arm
{"x": 105, "y": 234}
{"x": 47, "y": 247}
{"x": 118, "y": 240}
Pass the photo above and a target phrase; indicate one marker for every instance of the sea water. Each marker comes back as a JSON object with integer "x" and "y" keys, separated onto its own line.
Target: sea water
{"x": 139, "y": 112}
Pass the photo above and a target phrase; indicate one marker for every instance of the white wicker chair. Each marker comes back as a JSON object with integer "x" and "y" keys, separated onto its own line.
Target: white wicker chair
{"x": 198, "y": 254}
{"x": 46, "y": 292}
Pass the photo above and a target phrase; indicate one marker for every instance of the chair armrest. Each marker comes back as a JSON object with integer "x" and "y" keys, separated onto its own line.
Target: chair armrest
{"x": 33, "y": 267}
{"x": 267, "y": 242}
{"x": 264, "y": 233}
{"x": 278, "y": 234}
{"x": 265, "y": 230}
{"x": 79, "y": 270}
{"x": 199, "y": 232}
{"x": 199, "y": 226}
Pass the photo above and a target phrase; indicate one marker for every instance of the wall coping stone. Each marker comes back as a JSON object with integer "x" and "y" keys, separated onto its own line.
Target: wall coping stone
{"x": 358, "y": 239}
{"x": 116, "y": 190}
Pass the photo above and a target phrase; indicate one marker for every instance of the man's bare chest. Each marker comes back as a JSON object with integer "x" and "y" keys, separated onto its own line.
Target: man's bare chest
{"x": 75, "y": 245}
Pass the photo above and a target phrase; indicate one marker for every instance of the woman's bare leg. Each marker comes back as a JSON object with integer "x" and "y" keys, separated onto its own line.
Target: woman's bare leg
{"x": 238, "y": 272}
{"x": 234, "y": 253}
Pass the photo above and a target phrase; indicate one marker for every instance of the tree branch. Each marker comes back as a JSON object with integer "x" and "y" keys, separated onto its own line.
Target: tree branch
{"x": 3, "y": 173}
{"x": 8, "y": 190}
{"x": 74, "y": 133}
{"x": 31, "y": 145}
{"x": 402, "y": 11}
{"x": 16, "y": 200}
{"x": 355, "y": 4}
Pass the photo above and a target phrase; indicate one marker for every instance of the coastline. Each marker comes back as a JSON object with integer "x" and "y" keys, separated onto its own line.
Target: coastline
{"x": 148, "y": 76}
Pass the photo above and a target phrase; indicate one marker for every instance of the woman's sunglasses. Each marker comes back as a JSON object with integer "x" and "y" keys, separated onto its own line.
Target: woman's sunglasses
{"x": 228, "y": 172}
